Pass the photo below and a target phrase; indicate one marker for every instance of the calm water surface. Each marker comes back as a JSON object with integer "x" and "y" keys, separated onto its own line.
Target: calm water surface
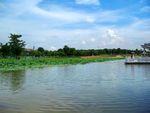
{"x": 107, "y": 87}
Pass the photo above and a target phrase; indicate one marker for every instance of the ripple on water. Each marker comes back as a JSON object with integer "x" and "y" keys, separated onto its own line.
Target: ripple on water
{"x": 106, "y": 87}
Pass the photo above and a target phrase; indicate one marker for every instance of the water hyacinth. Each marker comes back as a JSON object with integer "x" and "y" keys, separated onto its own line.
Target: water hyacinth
{"x": 13, "y": 64}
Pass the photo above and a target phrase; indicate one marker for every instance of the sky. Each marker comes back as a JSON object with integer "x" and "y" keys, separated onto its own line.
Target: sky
{"x": 82, "y": 24}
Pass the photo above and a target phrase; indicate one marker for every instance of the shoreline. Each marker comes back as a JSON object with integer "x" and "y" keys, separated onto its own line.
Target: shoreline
{"x": 24, "y": 64}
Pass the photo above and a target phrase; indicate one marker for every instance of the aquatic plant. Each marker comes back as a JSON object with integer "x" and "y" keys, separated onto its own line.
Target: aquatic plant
{"x": 13, "y": 64}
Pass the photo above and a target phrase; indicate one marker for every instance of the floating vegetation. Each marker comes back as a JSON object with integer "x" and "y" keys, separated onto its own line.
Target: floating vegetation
{"x": 22, "y": 64}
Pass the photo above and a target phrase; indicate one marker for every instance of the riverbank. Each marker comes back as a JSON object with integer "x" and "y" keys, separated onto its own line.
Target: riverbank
{"x": 22, "y": 64}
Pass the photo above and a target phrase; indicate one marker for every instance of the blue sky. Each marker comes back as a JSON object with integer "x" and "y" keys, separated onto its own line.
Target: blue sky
{"x": 83, "y": 24}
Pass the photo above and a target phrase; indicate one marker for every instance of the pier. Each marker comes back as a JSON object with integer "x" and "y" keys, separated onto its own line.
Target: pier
{"x": 142, "y": 60}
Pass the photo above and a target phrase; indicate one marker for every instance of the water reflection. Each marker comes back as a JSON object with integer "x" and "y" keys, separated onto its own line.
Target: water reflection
{"x": 107, "y": 87}
{"x": 14, "y": 80}
{"x": 135, "y": 69}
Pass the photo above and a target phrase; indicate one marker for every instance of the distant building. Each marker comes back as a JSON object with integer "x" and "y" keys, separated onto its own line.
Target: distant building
{"x": 27, "y": 51}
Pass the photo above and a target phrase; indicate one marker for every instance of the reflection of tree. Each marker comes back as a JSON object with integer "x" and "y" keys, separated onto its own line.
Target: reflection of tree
{"x": 13, "y": 79}
{"x": 17, "y": 80}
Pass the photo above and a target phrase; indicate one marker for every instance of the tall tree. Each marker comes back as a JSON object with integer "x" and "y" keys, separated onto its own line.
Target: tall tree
{"x": 66, "y": 50}
{"x": 16, "y": 45}
{"x": 5, "y": 50}
{"x": 41, "y": 49}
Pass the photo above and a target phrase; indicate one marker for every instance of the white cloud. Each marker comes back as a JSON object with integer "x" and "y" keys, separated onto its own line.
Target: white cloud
{"x": 93, "y": 39}
{"x": 90, "y": 19}
{"x": 145, "y": 9}
{"x": 41, "y": 27}
{"x": 61, "y": 14}
{"x": 70, "y": 15}
{"x": 88, "y": 2}
{"x": 111, "y": 38}
{"x": 137, "y": 33}
{"x": 109, "y": 16}
{"x": 104, "y": 36}
{"x": 52, "y": 48}
{"x": 83, "y": 42}
{"x": 130, "y": 36}
{"x": 54, "y": 13}
{"x": 141, "y": 24}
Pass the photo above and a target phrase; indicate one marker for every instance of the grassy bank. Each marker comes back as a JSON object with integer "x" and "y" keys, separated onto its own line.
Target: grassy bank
{"x": 13, "y": 64}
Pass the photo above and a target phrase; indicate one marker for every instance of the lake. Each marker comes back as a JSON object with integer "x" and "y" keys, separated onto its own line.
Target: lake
{"x": 104, "y": 87}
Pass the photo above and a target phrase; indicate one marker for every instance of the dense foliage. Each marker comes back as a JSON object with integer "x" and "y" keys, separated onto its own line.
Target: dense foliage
{"x": 16, "y": 45}
{"x": 14, "y": 64}
{"x": 67, "y": 51}
{"x": 15, "y": 48}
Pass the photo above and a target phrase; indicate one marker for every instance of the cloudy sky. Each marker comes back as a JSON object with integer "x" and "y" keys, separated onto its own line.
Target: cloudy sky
{"x": 83, "y": 24}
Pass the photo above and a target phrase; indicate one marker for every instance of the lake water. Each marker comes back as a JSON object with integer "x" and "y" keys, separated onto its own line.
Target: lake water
{"x": 105, "y": 87}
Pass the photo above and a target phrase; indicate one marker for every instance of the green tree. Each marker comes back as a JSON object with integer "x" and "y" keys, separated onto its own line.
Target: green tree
{"x": 72, "y": 51}
{"x": 118, "y": 50}
{"x": 66, "y": 50}
{"x": 32, "y": 53}
{"x": 46, "y": 53}
{"x": 38, "y": 54}
{"x": 5, "y": 50}
{"x": 41, "y": 49}
{"x": 16, "y": 45}
{"x": 60, "y": 53}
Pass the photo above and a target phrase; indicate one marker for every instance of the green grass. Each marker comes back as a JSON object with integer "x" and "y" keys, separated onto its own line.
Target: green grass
{"x": 22, "y": 64}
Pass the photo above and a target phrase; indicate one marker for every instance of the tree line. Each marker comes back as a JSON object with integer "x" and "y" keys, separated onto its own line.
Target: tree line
{"x": 16, "y": 48}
